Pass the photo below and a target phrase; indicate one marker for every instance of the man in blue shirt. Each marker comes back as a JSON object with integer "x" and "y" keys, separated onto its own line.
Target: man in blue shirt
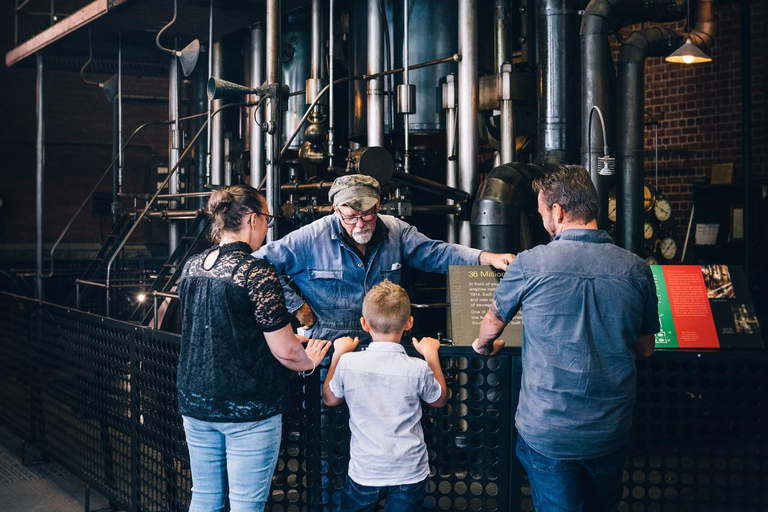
{"x": 336, "y": 260}
{"x": 589, "y": 309}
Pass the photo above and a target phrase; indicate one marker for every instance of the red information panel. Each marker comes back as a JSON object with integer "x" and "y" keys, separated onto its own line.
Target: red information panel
{"x": 705, "y": 307}
{"x": 694, "y": 324}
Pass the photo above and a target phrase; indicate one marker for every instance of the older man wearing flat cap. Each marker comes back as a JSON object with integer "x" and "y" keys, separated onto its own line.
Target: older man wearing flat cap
{"x": 335, "y": 260}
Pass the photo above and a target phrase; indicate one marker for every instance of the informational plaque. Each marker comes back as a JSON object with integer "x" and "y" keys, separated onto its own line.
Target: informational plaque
{"x": 705, "y": 307}
{"x": 471, "y": 289}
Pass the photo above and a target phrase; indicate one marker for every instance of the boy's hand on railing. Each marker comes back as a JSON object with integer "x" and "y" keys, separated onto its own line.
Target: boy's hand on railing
{"x": 345, "y": 344}
{"x": 426, "y": 346}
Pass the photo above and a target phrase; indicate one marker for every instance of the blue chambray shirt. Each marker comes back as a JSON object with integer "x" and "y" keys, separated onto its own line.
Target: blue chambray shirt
{"x": 584, "y": 301}
{"x": 334, "y": 280}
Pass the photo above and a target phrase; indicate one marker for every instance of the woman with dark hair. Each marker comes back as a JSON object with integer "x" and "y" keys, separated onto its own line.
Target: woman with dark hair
{"x": 236, "y": 344}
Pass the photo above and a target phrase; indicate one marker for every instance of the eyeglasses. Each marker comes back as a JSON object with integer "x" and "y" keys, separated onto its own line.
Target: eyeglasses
{"x": 270, "y": 218}
{"x": 352, "y": 219}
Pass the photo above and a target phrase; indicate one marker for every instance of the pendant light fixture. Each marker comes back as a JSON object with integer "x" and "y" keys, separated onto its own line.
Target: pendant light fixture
{"x": 689, "y": 53}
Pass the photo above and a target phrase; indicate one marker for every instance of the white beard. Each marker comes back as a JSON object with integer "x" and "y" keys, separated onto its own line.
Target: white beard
{"x": 362, "y": 236}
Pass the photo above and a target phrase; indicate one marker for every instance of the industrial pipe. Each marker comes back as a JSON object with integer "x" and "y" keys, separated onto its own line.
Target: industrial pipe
{"x": 467, "y": 105}
{"x": 217, "y": 125}
{"x": 451, "y": 161}
{"x": 256, "y": 114}
{"x": 174, "y": 145}
{"x": 273, "y": 114}
{"x": 598, "y": 78}
{"x": 430, "y": 186}
{"x": 407, "y": 104}
{"x": 559, "y": 73}
{"x": 39, "y": 175}
{"x": 648, "y": 42}
{"x": 331, "y": 77}
{"x": 504, "y": 213}
{"x": 375, "y": 121}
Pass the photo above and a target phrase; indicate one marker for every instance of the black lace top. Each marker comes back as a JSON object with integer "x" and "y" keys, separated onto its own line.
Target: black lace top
{"x": 226, "y": 371}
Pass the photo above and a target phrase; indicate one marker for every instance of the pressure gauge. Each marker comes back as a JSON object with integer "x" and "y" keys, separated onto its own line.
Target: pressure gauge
{"x": 668, "y": 248}
{"x": 648, "y": 230}
{"x": 662, "y": 209}
{"x": 649, "y": 196}
{"x": 651, "y": 260}
{"x": 612, "y": 209}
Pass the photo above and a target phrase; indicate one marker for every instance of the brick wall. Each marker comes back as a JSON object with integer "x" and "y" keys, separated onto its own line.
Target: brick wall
{"x": 78, "y": 137}
{"x": 698, "y": 108}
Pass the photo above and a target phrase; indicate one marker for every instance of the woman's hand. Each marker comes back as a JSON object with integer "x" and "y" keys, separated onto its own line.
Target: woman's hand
{"x": 317, "y": 349}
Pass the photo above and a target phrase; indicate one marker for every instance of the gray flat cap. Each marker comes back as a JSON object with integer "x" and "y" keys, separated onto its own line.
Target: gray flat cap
{"x": 358, "y": 191}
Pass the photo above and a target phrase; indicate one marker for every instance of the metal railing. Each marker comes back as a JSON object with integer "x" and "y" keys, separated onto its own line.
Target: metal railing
{"x": 99, "y": 396}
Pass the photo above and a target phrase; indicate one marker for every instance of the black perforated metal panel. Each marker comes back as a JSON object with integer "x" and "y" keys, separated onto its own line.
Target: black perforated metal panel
{"x": 99, "y": 396}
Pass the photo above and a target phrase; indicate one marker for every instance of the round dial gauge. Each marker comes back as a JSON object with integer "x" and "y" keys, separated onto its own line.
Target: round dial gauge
{"x": 651, "y": 260}
{"x": 668, "y": 248}
{"x": 662, "y": 209}
{"x": 612, "y": 209}
{"x": 649, "y": 196}
{"x": 648, "y": 230}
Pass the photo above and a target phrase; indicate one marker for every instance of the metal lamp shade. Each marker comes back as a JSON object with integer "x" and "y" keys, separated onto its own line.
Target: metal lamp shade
{"x": 689, "y": 53}
{"x": 188, "y": 57}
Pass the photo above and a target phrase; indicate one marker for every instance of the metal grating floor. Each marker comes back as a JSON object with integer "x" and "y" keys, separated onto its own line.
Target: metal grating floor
{"x": 46, "y": 487}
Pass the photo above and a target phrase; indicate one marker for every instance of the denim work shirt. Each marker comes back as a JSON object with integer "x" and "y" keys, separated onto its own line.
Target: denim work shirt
{"x": 383, "y": 388}
{"x": 334, "y": 280}
{"x": 584, "y": 301}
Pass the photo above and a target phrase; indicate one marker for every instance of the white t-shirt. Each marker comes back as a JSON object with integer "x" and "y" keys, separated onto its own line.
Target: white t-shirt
{"x": 383, "y": 388}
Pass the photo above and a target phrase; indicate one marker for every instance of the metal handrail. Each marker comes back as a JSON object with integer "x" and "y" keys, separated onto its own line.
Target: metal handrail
{"x": 109, "y": 168}
{"x": 162, "y": 186}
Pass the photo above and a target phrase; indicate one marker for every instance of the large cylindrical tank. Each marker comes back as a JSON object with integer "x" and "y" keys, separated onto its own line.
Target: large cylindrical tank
{"x": 433, "y": 35}
{"x": 297, "y": 62}
{"x": 504, "y": 214}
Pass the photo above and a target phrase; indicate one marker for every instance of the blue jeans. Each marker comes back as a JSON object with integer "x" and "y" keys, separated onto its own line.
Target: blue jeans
{"x": 573, "y": 485}
{"x": 400, "y": 498}
{"x": 235, "y": 457}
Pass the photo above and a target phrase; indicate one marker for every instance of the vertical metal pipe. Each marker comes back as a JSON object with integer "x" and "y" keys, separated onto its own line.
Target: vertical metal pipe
{"x": 467, "y": 104}
{"x": 746, "y": 128}
{"x": 331, "y": 90}
{"x": 406, "y": 81}
{"x": 201, "y": 145}
{"x": 500, "y": 43}
{"x": 508, "y": 136}
{"x": 174, "y": 145}
{"x": 451, "y": 162}
{"x": 503, "y": 66}
{"x": 115, "y": 153}
{"x": 319, "y": 36}
{"x": 629, "y": 157}
{"x": 120, "y": 160}
{"x": 217, "y": 123}
{"x": 273, "y": 112}
{"x": 39, "y": 175}
{"x": 255, "y": 116}
{"x": 559, "y": 75}
{"x": 375, "y": 65}
{"x": 209, "y": 129}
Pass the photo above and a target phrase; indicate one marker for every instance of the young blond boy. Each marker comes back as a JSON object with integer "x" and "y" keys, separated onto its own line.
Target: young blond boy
{"x": 383, "y": 388}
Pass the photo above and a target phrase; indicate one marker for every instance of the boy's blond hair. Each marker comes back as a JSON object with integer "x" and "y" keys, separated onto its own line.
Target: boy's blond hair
{"x": 387, "y": 308}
